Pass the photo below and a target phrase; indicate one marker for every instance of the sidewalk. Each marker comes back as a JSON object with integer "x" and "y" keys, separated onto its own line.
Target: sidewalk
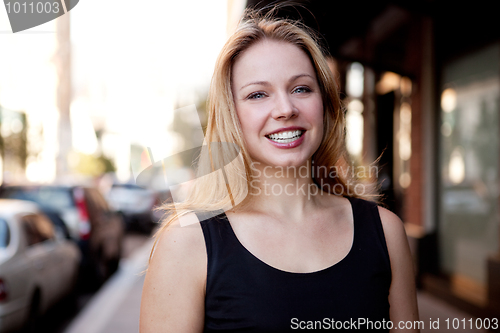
{"x": 115, "y": 309}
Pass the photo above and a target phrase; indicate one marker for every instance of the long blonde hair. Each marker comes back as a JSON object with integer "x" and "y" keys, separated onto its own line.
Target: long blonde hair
{"x": 223, "y": 180}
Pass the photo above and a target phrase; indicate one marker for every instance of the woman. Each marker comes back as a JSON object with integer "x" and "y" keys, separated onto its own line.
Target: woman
{"x": 293, "y": 249}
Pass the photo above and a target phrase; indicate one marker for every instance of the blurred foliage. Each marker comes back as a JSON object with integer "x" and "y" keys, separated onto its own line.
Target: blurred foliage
{"x": 91, "y": 165}
{"x": 13, "y": 140}
{"x": 187, "y": 130}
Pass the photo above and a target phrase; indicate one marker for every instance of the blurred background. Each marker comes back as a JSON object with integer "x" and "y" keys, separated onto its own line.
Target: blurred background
{"x": 89, "y": 100}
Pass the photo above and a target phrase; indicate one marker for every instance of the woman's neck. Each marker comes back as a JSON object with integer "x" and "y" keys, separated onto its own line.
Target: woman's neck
{"x": 286, "y": 191}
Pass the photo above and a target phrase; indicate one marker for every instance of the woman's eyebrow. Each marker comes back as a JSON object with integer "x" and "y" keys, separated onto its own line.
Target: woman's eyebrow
{"x": 262, "y": 83}
{"x": 295, "y": 77}
{"x": 266, "y": 83}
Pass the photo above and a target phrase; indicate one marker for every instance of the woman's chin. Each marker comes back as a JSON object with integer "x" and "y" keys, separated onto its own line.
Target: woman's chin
{"x": 283, "y": 164}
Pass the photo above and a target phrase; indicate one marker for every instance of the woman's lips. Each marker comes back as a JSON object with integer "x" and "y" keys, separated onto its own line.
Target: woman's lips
{"x": 288, "y": 145}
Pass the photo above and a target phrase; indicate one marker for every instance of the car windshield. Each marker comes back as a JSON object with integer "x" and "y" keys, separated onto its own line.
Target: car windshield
{"x": 53, "y": 198}
{"x": 4, "y": 234}
{"x": 124, "y": 191}
{"x": 129, "y": 197}
{"x": 128, "y": 187}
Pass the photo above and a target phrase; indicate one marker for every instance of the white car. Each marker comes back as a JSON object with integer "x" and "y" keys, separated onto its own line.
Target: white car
{"x": 38, "y": 266}
{"x": 135, "y": 205}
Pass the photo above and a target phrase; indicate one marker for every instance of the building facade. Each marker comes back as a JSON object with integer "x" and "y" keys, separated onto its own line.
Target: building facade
{"x": 428, "y": 107}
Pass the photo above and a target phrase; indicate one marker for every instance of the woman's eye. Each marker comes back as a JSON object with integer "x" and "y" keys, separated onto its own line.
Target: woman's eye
{"x": 300, "y": 90}
{"x": 257, "y": 95}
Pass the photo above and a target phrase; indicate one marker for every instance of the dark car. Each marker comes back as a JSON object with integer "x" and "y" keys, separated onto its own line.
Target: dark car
{"x": 96, "y": 229}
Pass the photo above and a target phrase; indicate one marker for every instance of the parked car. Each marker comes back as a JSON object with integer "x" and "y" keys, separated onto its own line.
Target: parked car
{"x": 38, "y": 265}
{"x": 96, "y": 229}
{"x": 135, "y": 204}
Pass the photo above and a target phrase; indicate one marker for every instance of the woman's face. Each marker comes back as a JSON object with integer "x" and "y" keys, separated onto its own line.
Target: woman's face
{"x": 278, "y": 102}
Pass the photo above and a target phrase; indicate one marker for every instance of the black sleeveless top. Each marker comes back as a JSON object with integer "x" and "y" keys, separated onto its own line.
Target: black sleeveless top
{"x": 244, "y": 294}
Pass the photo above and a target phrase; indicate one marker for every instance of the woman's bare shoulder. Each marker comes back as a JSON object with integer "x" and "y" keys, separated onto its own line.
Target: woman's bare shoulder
{"x": 182, "y": 237}
{"x": 174, "y": 288}
{"x": 180, "y": 244}
{"x": 392, "y": 225}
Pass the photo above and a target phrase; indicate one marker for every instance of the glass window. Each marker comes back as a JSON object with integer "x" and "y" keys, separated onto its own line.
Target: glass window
{"x": 44, "y": 227}
{"x": 4, "y": 234}
{"x": 469, "y": 169}
{"x": 37, "y": 229}
{"x": 32, "y": 235}
{"x": 53, "y": 198}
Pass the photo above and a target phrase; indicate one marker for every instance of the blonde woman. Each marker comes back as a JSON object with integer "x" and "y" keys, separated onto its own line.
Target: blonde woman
{"x": 265, "y": 246}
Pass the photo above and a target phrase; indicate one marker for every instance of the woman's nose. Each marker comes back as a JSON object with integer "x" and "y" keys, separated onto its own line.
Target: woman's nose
{"x": 284, "y": 107}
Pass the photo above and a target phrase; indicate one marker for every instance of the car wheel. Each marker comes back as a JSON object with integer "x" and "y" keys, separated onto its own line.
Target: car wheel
{"x": 113, "y": 265}
{"x": 114, "y": 262}
{"x": 100, "y": 269}
{"x": 70, "y": 301}
{"x": 33, "y": 321}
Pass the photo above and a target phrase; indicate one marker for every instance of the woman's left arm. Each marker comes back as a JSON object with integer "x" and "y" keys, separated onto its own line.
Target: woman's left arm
{"x": 402, "y": 294}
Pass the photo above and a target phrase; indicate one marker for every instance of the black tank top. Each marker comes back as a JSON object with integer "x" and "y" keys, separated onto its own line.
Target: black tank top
{"x": 244, "y": 294}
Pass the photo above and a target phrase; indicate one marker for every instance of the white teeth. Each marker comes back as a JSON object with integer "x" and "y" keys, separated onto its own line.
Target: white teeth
{"x": 285, "y": 137}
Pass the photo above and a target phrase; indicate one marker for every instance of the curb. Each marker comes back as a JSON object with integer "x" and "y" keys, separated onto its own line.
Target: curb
{"x": 98, "y": 312}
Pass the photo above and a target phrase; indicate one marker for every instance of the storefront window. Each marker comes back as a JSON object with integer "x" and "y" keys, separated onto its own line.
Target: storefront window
{"x": 469, "y": 169}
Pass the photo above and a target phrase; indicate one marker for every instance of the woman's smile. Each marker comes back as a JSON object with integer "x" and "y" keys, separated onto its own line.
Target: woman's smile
{"x": 287, "y": 138}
